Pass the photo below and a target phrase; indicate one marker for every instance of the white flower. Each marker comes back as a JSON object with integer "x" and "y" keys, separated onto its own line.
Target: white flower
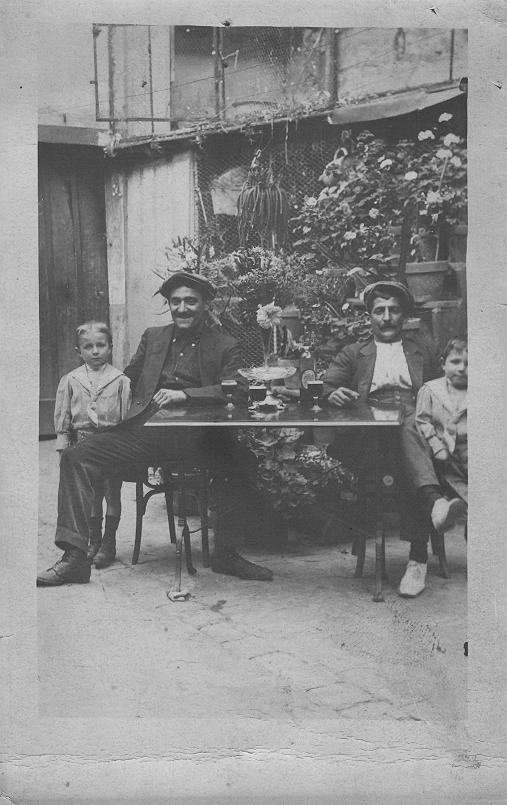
{"x": 211, "y": 252}
{"x": 269, "y": 315}
{"x": 449, "y": 139}
{"x": 310, "y": 201}
{"x": 349, "y": 236}
{"x": 444, "y": 153}
{"x": 345, "y": 307}
{"x": 373, "y": 213}
{"x": 456, "y": 161}
{"x": 426, "y": 135}
{"x": 433, "y": 197}
{"x": 444, "y": 117}
{"x": 410, "y": 176}
{"x": 385, "y": 163}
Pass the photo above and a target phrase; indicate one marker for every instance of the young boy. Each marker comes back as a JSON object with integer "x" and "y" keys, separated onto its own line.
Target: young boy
{"x": 90, "y": 399}
{"x": 441, "y": 417}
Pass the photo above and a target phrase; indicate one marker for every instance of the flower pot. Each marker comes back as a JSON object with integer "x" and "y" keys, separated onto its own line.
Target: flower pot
{"x": 426, "y": 280}
{"x": 458, "y": 243}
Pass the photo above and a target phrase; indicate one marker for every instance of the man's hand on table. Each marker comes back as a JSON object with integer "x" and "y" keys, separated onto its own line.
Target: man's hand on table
{"x": 284, "y": 393}
{"x": 342, "y": 397}
{"x": 164, "y": 398}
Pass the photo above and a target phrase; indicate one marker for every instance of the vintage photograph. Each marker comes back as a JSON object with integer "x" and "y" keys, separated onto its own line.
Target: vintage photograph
{"x": 253, "y": 464}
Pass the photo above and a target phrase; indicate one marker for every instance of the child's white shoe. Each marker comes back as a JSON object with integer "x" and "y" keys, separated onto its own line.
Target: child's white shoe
{"x": 413, "y": 581}
{"x": 445, "y": 513}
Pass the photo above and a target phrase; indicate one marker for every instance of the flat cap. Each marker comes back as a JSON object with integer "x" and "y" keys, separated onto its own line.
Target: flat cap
{"x": 391, "y": 287}
{"x": 180, "y": 278}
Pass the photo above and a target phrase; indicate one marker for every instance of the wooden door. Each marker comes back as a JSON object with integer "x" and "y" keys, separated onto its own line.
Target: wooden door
{"x": 72, "y": 260}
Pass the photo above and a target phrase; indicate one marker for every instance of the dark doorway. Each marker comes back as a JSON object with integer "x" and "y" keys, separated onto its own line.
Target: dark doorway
{"x": 72, "y": 260}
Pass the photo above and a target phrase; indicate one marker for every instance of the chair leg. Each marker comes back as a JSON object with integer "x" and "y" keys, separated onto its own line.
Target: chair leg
{"x": 203, "y": 504}
{"x": 359, "y": 550}
{"x": 360, "y": 536}
{"x": 140, "y": 509}
{"x": 438, "y": 548}
{"x": 168, "y": 493}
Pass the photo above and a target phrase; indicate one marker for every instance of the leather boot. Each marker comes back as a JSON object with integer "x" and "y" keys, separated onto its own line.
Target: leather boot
{"x": 225, "y": 559}
{"x": 107, "y": 551}
{"x": 95, "y": 538}
{"x": 72, "y": 568}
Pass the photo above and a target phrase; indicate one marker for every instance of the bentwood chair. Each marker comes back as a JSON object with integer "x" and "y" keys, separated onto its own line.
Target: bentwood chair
{"x": 186, "y": 481}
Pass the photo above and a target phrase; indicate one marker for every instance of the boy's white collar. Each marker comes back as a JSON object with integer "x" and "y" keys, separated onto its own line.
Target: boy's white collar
{"x": 107, "y": 376}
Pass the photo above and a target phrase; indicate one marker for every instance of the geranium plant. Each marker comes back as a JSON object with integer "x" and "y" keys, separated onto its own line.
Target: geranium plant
{"x": 293, "y": 475}
{"x": 351, "y": 222}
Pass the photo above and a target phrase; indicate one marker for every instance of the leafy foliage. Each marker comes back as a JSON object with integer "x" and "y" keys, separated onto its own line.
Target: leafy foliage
{"x": 292, "y": 475}
{"x": 263, "y": 207}
{"x": 349, "y": 224}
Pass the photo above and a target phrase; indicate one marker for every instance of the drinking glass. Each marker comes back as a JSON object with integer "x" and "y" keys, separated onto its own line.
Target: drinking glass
{"x": 257, "y": 392}
{"x": 315, "y": 387}
{"x": 228, "y": 388}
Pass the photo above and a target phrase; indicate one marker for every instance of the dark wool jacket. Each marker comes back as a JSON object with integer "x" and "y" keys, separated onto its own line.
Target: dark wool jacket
{"x": 219, "y": 357}
{"x": 354, "y": 365}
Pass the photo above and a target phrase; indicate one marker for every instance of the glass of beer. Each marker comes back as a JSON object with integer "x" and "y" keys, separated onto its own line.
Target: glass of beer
{"x": 257, "y": 392}
{"x": 315, "y": 387}
{"x": 229, "y": 385}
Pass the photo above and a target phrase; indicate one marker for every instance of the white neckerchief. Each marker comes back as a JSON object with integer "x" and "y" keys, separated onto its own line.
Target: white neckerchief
{"x": 391, "y": 367}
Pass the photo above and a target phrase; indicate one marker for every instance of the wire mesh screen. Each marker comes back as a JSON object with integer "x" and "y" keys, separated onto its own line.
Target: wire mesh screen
{"x": 236, "y": 73}
{"x": 249, "y": 339}
{"x": 296, "y": 157}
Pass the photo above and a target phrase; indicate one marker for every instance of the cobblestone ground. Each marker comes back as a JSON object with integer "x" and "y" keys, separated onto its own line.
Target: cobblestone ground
{"x": 311, "y": 644}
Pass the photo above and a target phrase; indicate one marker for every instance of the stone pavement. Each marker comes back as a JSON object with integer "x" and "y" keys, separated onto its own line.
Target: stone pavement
{"x": 311, "y": 644}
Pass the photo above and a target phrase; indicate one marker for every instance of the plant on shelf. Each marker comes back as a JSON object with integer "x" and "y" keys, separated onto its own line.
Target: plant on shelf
{"x": 369, "y": 189}
{"x": 292, "y": 475}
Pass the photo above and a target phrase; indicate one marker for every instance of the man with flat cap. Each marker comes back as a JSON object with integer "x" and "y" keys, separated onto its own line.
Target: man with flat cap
{"x": 180, "y": 364}
{"x": 390, "y": 368}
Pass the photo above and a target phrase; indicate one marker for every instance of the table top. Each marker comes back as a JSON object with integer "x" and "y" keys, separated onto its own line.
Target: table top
{"x": 294, "y": 415}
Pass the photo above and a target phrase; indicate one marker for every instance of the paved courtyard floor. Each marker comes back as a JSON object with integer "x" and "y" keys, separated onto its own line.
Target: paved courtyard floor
{"x": 310, "y": 644}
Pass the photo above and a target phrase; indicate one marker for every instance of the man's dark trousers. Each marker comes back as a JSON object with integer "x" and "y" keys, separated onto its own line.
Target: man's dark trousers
{"x": 121, "y": 450}
{"x": 410, "y": 459}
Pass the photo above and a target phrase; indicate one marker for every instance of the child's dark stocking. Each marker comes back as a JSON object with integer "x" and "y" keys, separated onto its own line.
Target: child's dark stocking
{"x": 107, "y": 552}
{"x": 95, "y": 537}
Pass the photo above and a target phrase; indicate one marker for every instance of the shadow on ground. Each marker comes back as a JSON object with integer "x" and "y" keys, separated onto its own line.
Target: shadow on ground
{"x": 311, "y": 644}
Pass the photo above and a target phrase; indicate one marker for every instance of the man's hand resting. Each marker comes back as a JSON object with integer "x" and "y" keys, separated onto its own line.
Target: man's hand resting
{"x": 166, "y": 397}
{"x": 342, "y": 397}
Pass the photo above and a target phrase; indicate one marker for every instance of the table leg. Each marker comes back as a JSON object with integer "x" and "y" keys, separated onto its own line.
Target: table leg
{"x": 183, "y": 535}
{"x": 379, "y": 529}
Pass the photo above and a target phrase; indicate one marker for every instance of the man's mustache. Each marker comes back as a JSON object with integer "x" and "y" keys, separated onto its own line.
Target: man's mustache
{"x": 183, "y": 315}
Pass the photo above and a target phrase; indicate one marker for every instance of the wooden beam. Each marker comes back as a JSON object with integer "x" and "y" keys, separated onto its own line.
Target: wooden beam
{"x": 116, "y": 267}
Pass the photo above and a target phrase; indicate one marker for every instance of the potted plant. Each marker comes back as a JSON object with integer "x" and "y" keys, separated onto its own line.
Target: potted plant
{"x": 293, "y": 475}
{"x": 357, "y": 218}
{"x": 262, "y": 206}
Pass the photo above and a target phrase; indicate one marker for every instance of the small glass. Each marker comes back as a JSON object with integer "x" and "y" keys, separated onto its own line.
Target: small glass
{"x": 229, "y": 386}
{"x": 316, "y": 387}
{"x": 257, "y": 392}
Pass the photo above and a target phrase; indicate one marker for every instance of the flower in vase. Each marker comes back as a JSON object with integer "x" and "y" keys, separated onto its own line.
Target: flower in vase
{"x": 269, "y": 316}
